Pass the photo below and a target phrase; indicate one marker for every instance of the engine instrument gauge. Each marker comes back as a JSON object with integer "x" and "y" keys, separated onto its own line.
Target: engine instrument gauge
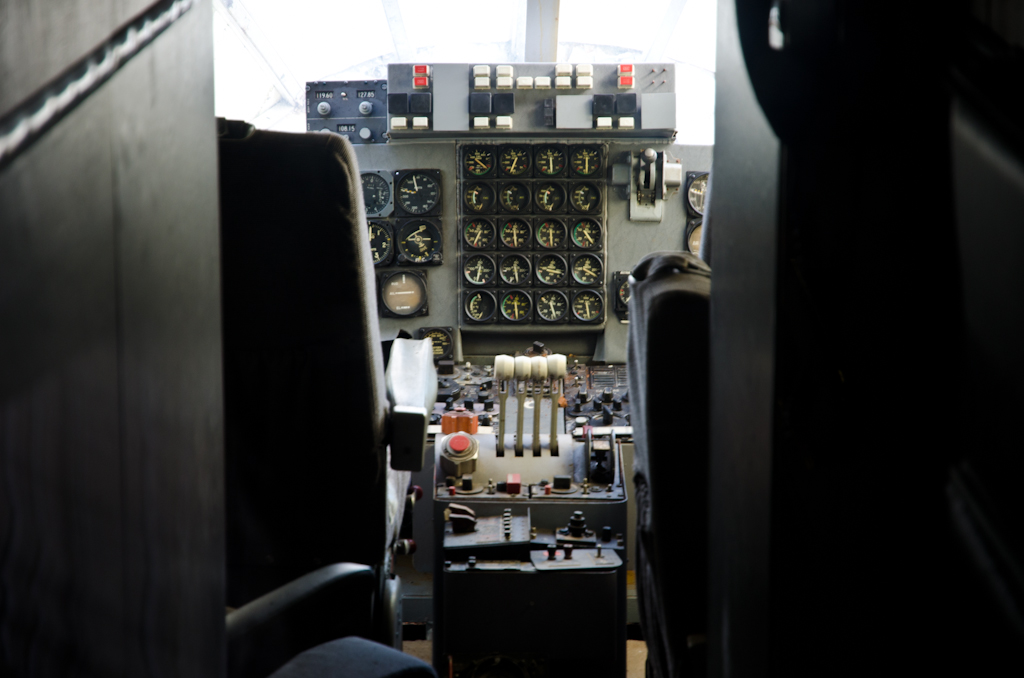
{"x": 478, "y": 234}
{"x": 586, "y": 234}
{"x": 516, "y": 306}
{"x": 376, "y": 193}
{"x": 515, "y": 234}
{"x": 515, "y": 270}
{"x": 480, "y": 306}
{"x": 624, "y": 293}
{"x": 551, "y": 269}
{"x": 586, "y": 269}
{"x": 419, "y": 241}
{"x": 550, "y": 160}
{"x": 404, "y": 294}
{"x": 479, "y": 269}
{"x": 693, "y": 238}
{"x": 514, "y": 197}
{"x": 418, "y": 193}
{"x": 552, "y": 305}
{"x": 441, "y": 339}
{"x": 585, "y": 160}
{"x": 514, "y": 160}
{"x": 478, "y": 161}
{"x": 696, "y": 192}
{"x": 381, "y": 243}
{"x": 551, "y": 234}
{"x": 587, "y": 306}
{"x": 549, "y": 197}
{"x": 585, "y": 197}
{"x": 478, "y": 197}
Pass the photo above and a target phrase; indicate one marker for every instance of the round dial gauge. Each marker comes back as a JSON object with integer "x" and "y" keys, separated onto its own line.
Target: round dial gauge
{"x": 586, "y": 234}
{"x": 552, "y": 305}
{"x": 624, "y": 293}
{"x": 585, "y": 197}
{"x": 479, "y": 269}
{"x": 587, "y": 306}
{"x": 404, "y": 293}
{"x": 550, "y": 160}
{"x": 516, "y": 305}
{"x": 586, "y": 160}
{"x": 515, "y": 160}
{"x": 695, "y": 194}
{"x": 515, "y": 234}
{"x": 693, "y": 240}
{"x": 478, "y": 234}
{"x": 478, "y": 197}
{"x": 586, "y": 269}
{"x": 515, "y": 270}
{"x": 478, "y": 161}
{"x": 514, "y": 197}
{"x": 418, "y": 241}
{"x": 551, "y": 269}
{"x": 551, "y": 234}
{"x": 376, "y": 193}
{"x": 418, "y": 193}
{"x": 480, "y": 306}
{"x": 550, "y": 197}
{"x": 441, "y": 340}
{"x": 380, "y": 243}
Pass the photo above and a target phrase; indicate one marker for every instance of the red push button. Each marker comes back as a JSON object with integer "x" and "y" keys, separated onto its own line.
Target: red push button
{"x": 626, "y": 81}
{"x": 458, "y": 443}
{"x": 421, "y": 69}
{"x": 420, "y": 82}
{"x": 513, "y": 485}
{"x": 625, "y": 69}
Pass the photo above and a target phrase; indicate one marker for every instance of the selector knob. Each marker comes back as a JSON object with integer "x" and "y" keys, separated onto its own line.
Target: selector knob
{"x": 365, "y": 132}
{"x": 608, "y": 395}
{"x": 583, "y": 396}
{"x": 617, "y": 404}
{"x": 606, "y": 415}
{"x": 365, "y": 107}
{"x": 323, "y": 108}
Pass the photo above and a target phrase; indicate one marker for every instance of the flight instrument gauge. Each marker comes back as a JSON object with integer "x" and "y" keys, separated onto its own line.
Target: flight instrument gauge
{"x": 551, "y": 269}
{"x": 515, "y": 234}
{"x": 480, "y": 306}
{"x": 404, "y": 294}
{"x": 585, "y": 197}
{"x": 478, "y": 234}
{"x": 586, "y": 269}
{"x": 516, "y": 306}
{"x": 550, "y": 160}
{"x": 478, "y": 197}
{"x": 552, "y": 306}
{"x": 693, "y": 237}
{"x": 514, "y": 197}
{"x": 551, "y": 234}
{"x": 479, "y": 269}
{"x": 586, "y": 234}
{"x": 696, "y": 191}
{"x": 549, "y": 197}
{"x": 514, "y": 160}
{"x": 376, "y": 194}
{"x": 587, "y": 306}
{"x": 381, "y": 243}
{"x": 515, "y": 270}
{"x": 585, "y": 160}
{"x": 441, "y": 339}
{"x": 477, "y": 161}
{"x": 419, "y": 242}
{"x": 418, "y": 192}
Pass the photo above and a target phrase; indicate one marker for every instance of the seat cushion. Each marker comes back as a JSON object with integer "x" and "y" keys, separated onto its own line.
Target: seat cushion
{"x": 354, "y": 657}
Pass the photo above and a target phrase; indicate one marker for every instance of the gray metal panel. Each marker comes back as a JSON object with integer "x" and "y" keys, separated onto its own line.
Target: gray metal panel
{"x": 451, "y": 98}
{"x": 743, "y": 303}
{"x": 658, "y": 111}
{"x": 574, "y": 112}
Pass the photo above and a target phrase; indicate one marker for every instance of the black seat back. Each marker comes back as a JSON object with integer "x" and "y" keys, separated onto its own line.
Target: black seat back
{"x": 668, "y": 376}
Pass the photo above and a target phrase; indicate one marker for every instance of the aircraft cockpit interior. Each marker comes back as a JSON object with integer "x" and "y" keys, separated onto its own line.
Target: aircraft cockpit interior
{"x": 520, "y": 340}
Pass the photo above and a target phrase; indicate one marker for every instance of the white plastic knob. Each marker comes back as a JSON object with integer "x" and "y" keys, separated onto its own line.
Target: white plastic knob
{"x": 539, "y": 367}
{"x": 522, "y": 367}
{"x": 504, "y": 367}
{"x": 556, "y": 365}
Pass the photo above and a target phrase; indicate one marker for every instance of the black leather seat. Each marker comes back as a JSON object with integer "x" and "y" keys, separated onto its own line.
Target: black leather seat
{"x": 668, "y": 376}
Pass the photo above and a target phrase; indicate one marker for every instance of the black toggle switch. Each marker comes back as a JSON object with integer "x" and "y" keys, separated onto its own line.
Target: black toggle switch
{"x": 398, "y": 103}
{"x": 419, "y": 102}
{"x": 604, "y": 104}
{"x": 606, "y": 415}
{"x": 480, "y": 103}
{"x": 504, "y": 103}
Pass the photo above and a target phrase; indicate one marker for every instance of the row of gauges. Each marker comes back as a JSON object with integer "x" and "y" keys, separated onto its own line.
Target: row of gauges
{"x": 518, "y": 270}
{"x": 696, "y": 192}
{"x": 549, "y": 160}
{"x": 526, "y": 197}
{"x": 525, "y": 306}
{"x": 526, "y": 234}
{"x": 408, "y": 241}
{"x": 406, "y": 193}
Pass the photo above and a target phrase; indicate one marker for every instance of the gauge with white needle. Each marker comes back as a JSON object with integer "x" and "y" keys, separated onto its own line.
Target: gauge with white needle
{"x": 552, "y": 305}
